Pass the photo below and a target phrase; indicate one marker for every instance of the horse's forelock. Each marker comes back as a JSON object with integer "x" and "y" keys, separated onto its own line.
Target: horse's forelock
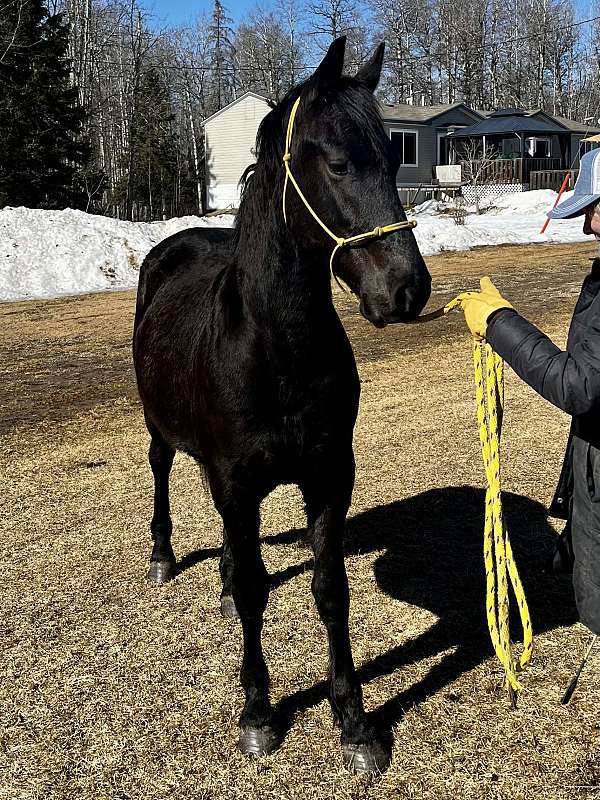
{"x": 359, "y": 113}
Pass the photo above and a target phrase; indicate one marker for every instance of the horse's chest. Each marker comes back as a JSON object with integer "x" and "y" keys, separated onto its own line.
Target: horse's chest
{"x": 297, "y": 411}
{"x": 310, "y": 415}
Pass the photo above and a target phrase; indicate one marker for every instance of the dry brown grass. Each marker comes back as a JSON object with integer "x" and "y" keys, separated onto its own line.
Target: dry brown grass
{"x": 115, "y": 690}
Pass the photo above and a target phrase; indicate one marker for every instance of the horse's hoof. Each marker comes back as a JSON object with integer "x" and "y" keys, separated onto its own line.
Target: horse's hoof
{"x": 160, "y": 572}
{"x": 258, "y": 741}
{"x": 366, "y": 759}
{"x": 228, "y": 609}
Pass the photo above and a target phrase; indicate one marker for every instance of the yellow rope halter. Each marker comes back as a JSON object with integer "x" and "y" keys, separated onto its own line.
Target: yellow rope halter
{"x": 340, "y": 241}
{"x": 499, "y": 560}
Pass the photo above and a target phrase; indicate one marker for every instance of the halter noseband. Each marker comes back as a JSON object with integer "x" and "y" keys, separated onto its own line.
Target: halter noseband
{"x": 340, "y": 241}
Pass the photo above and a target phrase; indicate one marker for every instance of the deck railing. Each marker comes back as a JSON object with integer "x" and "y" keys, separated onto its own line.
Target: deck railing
{"x": 508, "y": 170}
{"x": 552, "y": 179}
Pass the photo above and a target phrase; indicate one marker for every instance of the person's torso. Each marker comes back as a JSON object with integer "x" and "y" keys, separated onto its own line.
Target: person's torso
{"x": 586, "y": 314}
{"x": 587, "y": 307}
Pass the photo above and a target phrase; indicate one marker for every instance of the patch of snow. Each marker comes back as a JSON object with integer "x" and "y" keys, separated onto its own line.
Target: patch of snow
{"x": 510, "y": 219}
{"x": 52, "y": 253}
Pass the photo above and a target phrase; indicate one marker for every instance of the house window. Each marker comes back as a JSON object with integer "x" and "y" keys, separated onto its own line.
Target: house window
{"x": 538, "y": 147}
{"x": 405, "y": 144}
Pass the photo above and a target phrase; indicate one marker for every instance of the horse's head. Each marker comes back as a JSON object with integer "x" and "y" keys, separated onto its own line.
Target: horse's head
{"x": 346, "y": 168}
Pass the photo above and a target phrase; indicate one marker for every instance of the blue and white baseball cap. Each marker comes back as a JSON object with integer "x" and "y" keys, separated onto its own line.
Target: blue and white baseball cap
{"x": 587, "y": 188}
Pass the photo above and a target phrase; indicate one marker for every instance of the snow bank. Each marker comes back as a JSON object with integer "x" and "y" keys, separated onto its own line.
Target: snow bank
{"x": 51, "y": 253}
{"x": 511, "y": 219}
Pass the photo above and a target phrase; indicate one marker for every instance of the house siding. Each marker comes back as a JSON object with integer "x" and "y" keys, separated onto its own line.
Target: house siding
{"x": 427, "y": 159}
{"x": 575, "y": 144}
{"x": 422, "y": 173}
{"x": 230, "y": 139}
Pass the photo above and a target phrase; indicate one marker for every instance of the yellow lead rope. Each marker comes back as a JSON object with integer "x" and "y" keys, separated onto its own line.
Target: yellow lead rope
{"x": 500, "y": 566}
{"x": 498, "y": 556}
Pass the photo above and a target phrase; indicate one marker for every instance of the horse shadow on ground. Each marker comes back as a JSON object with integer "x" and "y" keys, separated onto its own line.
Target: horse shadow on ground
{"x": 433, "y": 559}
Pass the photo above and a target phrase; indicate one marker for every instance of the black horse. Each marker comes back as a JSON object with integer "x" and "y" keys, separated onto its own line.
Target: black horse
{"x": 243, "y": 363}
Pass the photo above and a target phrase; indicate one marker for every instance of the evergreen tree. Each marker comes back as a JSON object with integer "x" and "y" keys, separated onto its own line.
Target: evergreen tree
{"x": 155, "y": 148}
{"x": 222, "y": 52}
{"x": 40, "y": 115}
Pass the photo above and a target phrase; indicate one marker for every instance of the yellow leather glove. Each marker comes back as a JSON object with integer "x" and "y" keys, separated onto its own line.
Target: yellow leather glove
{"x": 479, "y": 306}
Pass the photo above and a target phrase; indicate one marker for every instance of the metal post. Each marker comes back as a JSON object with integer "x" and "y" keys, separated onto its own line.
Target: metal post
{"x": 522, "y": 169}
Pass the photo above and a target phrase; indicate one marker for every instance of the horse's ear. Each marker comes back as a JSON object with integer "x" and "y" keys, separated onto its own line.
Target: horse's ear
{"x": 370, "y": 72}
{"x": 328, "y": 73}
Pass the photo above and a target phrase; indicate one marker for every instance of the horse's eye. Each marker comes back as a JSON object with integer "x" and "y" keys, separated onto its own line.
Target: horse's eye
{"x": 338, "y": 167}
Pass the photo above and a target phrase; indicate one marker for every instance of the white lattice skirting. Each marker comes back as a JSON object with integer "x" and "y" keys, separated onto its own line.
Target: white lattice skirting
{"x": 491, "y": 190}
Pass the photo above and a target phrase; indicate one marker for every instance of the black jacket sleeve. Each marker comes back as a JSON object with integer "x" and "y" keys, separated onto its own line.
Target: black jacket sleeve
{"x": 569, "y": 380}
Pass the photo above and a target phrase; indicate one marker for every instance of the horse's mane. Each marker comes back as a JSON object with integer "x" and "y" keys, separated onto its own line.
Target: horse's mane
{"x": 262, "y": 182}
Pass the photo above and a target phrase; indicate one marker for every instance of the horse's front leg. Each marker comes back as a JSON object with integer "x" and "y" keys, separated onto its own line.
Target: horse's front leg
{"x": 250, "y": 588}
{"x": 326, "y": 508}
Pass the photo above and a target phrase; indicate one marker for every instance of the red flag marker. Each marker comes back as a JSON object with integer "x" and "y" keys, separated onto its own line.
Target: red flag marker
{"x": 560, "y": 191}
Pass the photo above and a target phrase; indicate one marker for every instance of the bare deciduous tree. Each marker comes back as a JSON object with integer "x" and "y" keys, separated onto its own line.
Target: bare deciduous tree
{"x": 488, "y": 53}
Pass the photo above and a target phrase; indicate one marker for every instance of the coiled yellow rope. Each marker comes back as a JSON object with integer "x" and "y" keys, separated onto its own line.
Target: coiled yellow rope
{"x": 500, "y": 566}
{"x": 498, "y": 556}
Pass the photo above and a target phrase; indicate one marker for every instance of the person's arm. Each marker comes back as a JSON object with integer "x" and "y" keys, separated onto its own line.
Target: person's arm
{"x": 571, "y": 381}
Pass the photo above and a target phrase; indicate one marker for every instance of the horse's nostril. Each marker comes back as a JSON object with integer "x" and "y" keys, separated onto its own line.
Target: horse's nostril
{"x": 371, "y": 313}
{"x": 411, "y": 297}
{"x": 404, "y": 298}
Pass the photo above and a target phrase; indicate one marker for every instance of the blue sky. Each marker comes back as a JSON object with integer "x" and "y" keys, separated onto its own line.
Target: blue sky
{"x": 175, "y": 12}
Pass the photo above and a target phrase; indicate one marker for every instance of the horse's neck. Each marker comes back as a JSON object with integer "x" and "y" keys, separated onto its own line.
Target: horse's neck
{"x": 287, "y": 291}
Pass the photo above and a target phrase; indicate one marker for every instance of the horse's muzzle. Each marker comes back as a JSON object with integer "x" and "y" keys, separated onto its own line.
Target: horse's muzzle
{"x": 405, "y": 305}
{"x": 410, "y": 299}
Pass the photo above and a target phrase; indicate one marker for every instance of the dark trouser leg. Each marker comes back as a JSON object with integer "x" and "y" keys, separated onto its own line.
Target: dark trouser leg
{"x": 586, "y": 532}
{"x": 162, "y": 560}
{"x": 250, "y": 586}
{"x": 228, "y": 608}
{"x": 362, "y": 751}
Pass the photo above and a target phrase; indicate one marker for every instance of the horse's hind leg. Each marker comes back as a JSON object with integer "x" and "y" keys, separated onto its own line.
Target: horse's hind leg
{"x": 162, "y": 560}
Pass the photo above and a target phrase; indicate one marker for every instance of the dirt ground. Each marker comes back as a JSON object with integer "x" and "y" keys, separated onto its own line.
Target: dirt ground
{"x": 112, "y": 689}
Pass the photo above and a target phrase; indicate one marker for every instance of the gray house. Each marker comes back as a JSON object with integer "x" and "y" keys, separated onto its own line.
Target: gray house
{"x": 522, "y": 149}
{"x": 579, "y": 131}
{"x": 549, "y": 146}
{"x": 529, "y": 149}
{"x": 419, "y": 135}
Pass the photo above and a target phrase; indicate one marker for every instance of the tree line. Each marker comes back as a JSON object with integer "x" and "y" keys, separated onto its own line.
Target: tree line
{"x": 101, "y": 107}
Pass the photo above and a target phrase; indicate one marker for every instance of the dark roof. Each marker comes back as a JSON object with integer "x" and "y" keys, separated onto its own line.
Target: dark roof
{"x": 508, "y": 112}
{"x": 570, "y": 124}
{"x": 423, "y": 114}
{"x": 416, "y": 114}
{"x": 513, "y": 123}
{"x": 577, "y": 127}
